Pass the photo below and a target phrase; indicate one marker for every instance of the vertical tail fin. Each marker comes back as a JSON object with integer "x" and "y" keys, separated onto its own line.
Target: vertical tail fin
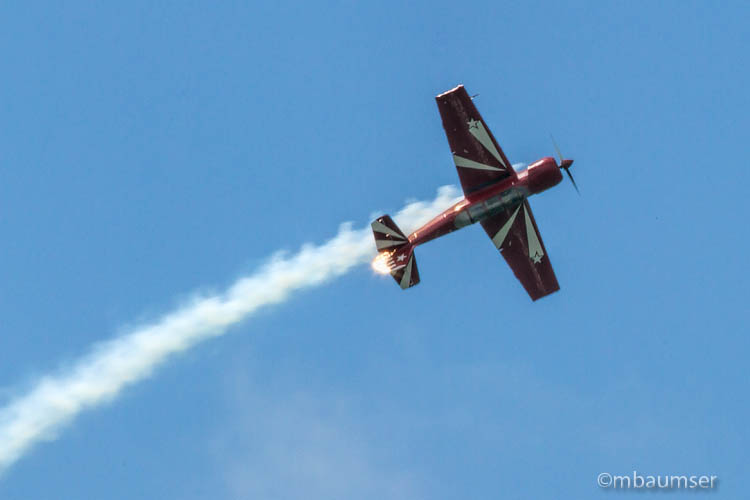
{"x": 395, "y": 253}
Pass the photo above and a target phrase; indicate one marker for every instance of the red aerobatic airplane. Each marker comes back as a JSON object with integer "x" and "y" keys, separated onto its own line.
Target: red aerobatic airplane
{"x": 495, "y": 196}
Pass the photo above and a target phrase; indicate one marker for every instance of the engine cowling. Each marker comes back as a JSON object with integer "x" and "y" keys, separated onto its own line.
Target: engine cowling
{"x": 542, "y": 175}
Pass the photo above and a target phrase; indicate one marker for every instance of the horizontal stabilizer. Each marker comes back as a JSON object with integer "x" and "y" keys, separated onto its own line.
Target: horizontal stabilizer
{"x": 405, "y": 275}
{"x": 395, "y": 254}
{"x": 387, "y": 234}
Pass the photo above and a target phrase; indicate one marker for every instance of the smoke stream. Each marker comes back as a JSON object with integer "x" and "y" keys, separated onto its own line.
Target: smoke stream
{"x": 100, "y": 375}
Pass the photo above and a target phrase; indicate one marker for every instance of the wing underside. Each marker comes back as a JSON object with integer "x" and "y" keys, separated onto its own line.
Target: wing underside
{"x": 478, "y": 157}
{"x": 515, "y": 234}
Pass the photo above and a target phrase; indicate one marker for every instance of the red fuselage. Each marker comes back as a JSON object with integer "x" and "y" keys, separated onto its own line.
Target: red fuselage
{"x": 539, "y": 176}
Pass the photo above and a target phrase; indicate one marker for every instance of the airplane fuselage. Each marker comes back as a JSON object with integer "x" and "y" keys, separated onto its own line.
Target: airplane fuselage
{"x": 495, "y": 195}
{"x": 510, "y": 192}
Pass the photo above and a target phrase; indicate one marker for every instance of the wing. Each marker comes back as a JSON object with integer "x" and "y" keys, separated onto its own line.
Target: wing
{"x": 479, "y": 160}
{"x": 515, "y": 234}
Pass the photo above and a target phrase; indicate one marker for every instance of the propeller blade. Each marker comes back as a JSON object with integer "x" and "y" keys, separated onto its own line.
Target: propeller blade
{"x": 559, "y": 154}
{"x": 570, "y": 176}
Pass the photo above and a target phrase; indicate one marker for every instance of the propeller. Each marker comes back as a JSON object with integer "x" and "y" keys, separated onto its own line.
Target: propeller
{"x": 565, "y": 164}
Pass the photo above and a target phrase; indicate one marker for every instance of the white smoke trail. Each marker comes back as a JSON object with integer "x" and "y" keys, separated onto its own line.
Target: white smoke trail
{"x": 100, "y": 375}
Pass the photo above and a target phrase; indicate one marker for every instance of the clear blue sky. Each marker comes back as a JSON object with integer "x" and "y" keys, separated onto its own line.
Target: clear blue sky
{"x": 148, "y": 151}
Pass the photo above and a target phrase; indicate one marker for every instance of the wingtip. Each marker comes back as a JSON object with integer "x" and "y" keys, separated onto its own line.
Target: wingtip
{"x": 454, "y": 89}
